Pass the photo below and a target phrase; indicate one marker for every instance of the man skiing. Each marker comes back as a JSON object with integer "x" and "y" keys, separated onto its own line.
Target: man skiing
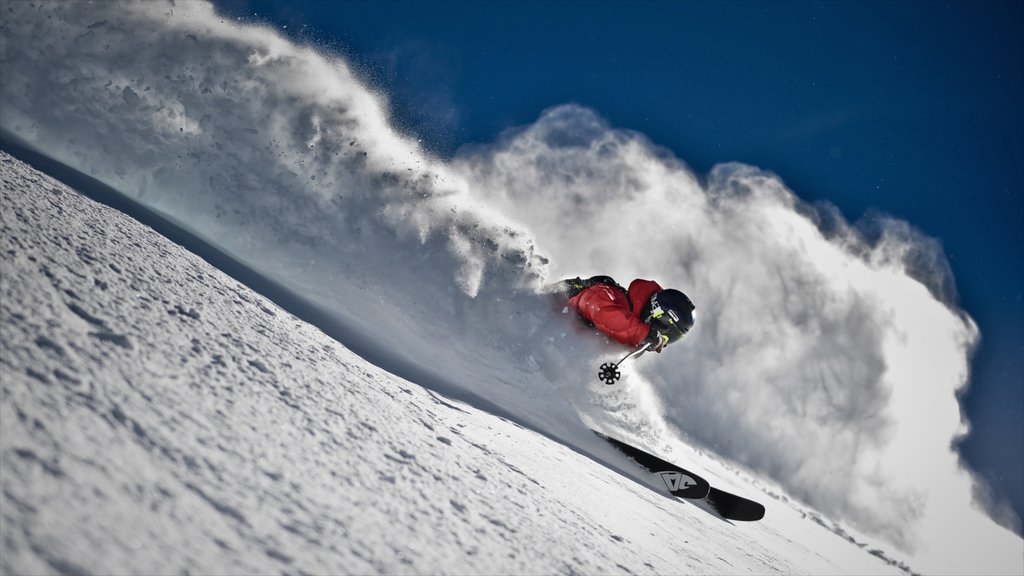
{"x": 643, "y": 317}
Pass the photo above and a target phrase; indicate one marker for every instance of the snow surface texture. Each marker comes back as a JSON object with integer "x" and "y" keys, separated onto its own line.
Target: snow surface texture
{"x": 160, "y": 417}
{"x": 826, "y": 358}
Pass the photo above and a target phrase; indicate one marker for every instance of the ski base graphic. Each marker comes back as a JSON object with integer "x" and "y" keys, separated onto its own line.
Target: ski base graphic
{"x": 679, "y": 481}
{"x": 685, "y": 484}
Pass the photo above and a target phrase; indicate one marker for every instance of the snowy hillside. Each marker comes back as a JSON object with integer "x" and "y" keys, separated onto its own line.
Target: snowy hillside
{"x": 160, "y": 417}
{"x": 150, "y": 400}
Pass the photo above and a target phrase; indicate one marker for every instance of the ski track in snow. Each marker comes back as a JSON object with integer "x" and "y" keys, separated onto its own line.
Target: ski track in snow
{"x": 158, "y": 417}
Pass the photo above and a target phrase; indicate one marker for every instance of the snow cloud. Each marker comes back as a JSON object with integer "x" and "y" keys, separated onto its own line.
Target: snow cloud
{"x": 234, "y": 129}
{"x": 827, "y": 355}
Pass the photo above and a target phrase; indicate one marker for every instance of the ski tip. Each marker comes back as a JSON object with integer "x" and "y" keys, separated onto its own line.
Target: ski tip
{"x": 733, "y": 507}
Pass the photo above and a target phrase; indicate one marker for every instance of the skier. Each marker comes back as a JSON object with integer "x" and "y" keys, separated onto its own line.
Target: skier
{"x": 644, "y": 317}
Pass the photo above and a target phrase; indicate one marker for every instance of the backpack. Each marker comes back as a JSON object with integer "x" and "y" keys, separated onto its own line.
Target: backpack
{"x": 568, "y": 289}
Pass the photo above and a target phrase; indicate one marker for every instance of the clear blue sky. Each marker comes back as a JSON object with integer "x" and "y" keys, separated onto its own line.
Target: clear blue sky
{"x": 915, "y": 109}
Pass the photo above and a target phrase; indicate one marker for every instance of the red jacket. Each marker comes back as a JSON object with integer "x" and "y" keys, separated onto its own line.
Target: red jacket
{"x": 614, "y": 313}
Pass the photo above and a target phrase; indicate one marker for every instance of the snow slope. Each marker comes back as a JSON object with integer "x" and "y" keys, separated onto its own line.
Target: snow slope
{"x": 158, "y": 416}
{"x": 818, "y": 342}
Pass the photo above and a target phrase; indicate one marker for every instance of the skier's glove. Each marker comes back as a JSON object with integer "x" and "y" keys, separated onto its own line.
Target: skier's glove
{"x": 657, "y": 341}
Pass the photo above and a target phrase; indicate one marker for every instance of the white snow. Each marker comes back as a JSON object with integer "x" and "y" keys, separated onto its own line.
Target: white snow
{"x": 160, "y": 417}
{"x": 805, "y": 377}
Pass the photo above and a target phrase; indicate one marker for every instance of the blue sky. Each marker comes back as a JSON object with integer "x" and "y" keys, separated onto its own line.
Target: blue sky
{"x": 912, "y": 109}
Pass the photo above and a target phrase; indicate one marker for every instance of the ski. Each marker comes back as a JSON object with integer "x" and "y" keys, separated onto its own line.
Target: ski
{"x": 685, "y": 484}
{"x": 734, "y": 507}
{"x": 679, "y": 481}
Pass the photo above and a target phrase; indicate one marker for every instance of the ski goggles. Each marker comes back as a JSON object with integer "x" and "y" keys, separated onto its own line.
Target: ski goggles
{"x": 668, "y": 323}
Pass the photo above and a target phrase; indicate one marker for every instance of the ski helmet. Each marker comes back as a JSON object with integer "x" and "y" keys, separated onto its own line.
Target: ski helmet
{"x": 670, "y": 312}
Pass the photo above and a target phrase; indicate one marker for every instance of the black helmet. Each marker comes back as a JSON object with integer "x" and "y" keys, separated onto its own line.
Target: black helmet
{"x": 669, "y": 312}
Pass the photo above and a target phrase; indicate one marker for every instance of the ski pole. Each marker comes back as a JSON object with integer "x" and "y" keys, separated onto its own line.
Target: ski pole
{"x": 609, "y": 373}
